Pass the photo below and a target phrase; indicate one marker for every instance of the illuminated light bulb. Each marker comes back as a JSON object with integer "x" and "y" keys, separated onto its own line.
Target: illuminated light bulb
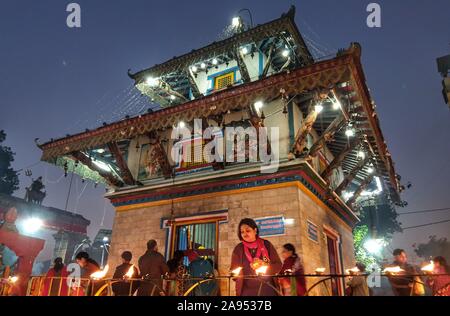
{"x": 373, "y": 245}
{"x": 105, "y": 239}
{"x": 361, "y": 154}
{"x": 347, "y": 195}
{"x": 172, "y": 97}
{"x": 244, "y": 50}
{"x": 214, "y": 61}
{"x": 32, "y": 225}
{"x": 203, "y": 65}
{"x": 194, "y": 68}
{"x": 181, "y": 124}
{"x": 236, "y": 21}
{"x": 370, "y": 170}
{"x": 152, "y": 82}
{"x": 289, "y": 221}
{"x": 336, "y": 105}
{"x": 285, "y": 53}
{"x": 318, "y": 108}
{"x": 350, "y": 132}
{"x": 258, "y": 105}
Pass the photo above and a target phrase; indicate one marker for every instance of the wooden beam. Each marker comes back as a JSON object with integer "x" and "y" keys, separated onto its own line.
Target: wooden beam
{"x": 242, "y": 67}
{"x": 125, "y": 172}
{"x": 161, "y": 155}
{"x": 268, "y": 61}
{"x": 339, "y": 158}
{"x": 328, "y": 134}
{"x": 352, "y": 174}
{"x": 195, "y": 91}
{"x": 302, "y": 133}
{"x": 85, "y": 160}
{"x": 361, "y": 188}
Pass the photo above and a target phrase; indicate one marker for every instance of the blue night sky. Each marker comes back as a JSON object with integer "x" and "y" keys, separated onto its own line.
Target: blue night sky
{"x": 56, "y": 80}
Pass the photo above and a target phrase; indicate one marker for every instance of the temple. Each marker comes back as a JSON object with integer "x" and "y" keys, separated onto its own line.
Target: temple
{"x": 331, "y": 153}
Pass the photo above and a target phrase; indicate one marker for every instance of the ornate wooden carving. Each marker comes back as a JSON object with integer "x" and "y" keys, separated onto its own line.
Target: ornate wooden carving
{"x": 121, "y": 163}
{"x": 161, "y": 155}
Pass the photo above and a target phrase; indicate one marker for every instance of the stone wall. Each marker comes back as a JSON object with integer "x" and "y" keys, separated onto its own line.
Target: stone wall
{"x": 133, "y": 228}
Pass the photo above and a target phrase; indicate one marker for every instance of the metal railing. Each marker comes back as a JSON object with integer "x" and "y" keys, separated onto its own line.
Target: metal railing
{"x": 165, "y": 286}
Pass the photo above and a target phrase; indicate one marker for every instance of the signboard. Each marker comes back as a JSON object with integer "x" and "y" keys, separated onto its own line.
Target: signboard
{"x": 312, "y": 231}
{"x": 270, "y": 226}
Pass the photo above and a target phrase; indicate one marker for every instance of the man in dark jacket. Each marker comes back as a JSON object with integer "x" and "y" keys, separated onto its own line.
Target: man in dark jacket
{"x": 126, "y": 287}
{"x": 152, "y": 266}
{"x": 402, "y": 283}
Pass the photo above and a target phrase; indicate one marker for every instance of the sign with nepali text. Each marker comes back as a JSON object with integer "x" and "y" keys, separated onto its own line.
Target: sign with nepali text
{"x": 270, "y": 226}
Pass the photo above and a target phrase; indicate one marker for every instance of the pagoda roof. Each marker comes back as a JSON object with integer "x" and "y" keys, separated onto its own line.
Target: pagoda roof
{"x": 343, "y": 70}
{"x": 285, "y": 23}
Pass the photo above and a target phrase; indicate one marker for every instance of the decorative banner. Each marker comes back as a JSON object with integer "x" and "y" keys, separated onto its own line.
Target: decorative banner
{"x": 270, "y": 226}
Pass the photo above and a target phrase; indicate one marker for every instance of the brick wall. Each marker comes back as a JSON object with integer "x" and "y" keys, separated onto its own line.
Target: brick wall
{"x": 133, "y": 228}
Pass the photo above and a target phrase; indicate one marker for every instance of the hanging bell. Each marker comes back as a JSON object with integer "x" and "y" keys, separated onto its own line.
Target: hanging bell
{"x": 285, "y": 111}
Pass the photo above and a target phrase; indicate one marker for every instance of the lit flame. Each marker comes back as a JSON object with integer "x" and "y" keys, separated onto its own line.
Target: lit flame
{"x": 354, "y": 270}
{"x": 100, "y": 274}
{"x": 429, "y": 267}
{"x": 396, "y": 269}
{"x": 236, "y": 271}
{"x": 130, "y": 272}
{"x": 261, "y": 270}
{"x": 13, "y": 279}
{"x": 320, "y": 270}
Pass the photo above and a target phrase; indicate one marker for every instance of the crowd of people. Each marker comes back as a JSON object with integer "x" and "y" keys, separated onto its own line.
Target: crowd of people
{"x": 253, "y": 256}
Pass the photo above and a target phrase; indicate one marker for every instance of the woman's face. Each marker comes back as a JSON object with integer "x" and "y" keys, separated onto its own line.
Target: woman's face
{"x": 286, "y": 253}
{"x": 248, "y": 233}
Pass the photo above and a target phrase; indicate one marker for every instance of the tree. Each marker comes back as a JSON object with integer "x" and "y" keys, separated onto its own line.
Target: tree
{"x": 434, "y": 247}
{"x": 9, "y": 179}
{"x": 381, "y": 219}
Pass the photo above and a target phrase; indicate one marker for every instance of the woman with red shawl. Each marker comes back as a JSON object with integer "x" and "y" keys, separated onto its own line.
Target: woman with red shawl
{"x": 55, "y": 282}
{"x": 440, "y": 283}
{"x": 292, "y": 266}
{"x": 250, "y": 255}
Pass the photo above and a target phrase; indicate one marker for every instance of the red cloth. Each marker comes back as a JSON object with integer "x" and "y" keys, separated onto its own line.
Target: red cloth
{"x": 260, "y": 249}
{"x": 59, "y": 282}
{"x": 440, "y": 285}
{"x": 294, "y": 265}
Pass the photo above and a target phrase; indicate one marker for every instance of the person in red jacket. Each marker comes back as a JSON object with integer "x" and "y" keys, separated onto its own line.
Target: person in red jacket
{"x": 292, "y": 265}
{"x": 55, "y": 282}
